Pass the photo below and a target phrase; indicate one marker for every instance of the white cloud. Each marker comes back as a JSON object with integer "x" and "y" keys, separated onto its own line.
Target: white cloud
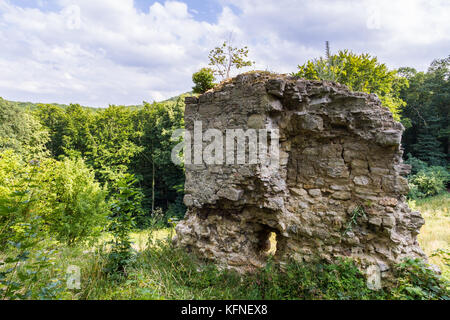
{"x": 400, "y": 32}
{"x": 108, "y": 52}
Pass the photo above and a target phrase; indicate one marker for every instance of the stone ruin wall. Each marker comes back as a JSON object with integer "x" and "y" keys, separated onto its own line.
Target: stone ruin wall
{"x": 339, "y": 151}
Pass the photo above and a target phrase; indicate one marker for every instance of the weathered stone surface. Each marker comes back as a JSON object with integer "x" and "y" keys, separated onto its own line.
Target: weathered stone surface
{"x": 276, "y": 87}
{"x": 339, "y": 150}
{"x": 256, "y": 121}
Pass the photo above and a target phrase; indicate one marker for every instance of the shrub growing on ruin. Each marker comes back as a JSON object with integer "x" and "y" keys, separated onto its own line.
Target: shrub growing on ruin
{"x": 360, "y": 73}
{"x": 203, "y": 80}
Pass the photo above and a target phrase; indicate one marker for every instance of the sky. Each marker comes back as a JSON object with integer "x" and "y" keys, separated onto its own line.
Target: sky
{"x": 124, "y": 52}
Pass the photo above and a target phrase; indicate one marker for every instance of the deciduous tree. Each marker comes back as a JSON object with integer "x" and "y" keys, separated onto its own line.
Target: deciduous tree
{"x": 226, "y": 57}
{"x": 360, "y": 73}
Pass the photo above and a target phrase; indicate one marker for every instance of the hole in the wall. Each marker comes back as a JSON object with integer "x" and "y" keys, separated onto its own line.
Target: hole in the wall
{"x": 267, "y": 242}
{"x": 273, "y": 243}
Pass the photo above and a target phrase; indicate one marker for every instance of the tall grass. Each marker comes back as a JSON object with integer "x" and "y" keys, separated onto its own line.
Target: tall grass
{"x": 434, "y": 236}
{"x": 160, "y": 271}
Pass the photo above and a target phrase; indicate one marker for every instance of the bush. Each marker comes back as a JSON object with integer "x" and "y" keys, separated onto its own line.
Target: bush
{"x": 416, "y": 281}
{"x": 203, "y": 80}
{"x": 75, "y": 204}
{"x": 20, "y": 194}
{"x": 416, "y": 164}
{"x": 64, "y": 196}
{"x": 414, "y": 192}
{"x": 428, "y": 182}
{"x": 125, "y": 206}
{"x": 21, "y": 231}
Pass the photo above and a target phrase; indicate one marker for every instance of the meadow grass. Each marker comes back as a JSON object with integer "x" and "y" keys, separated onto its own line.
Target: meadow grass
{"x": 160, "y": 271}
{"x": 435, "y": 233}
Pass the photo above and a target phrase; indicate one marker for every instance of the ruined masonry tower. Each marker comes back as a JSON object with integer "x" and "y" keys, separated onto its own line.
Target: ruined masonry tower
{"x": 339, "y": 190}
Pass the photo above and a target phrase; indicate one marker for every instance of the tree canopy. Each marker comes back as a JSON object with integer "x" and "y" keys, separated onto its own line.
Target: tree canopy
{"x": 427, "y": 112}
{"x": 360, "y": 73}
{"x": 20, "y": 131}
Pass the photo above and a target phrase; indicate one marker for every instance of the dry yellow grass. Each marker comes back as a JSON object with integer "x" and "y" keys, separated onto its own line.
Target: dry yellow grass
{"x": 140, "y": 238}
{"x": 435, "y": 234}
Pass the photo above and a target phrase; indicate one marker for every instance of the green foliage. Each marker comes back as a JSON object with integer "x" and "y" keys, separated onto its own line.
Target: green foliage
{"x": 161, "y": 271}
{"x": 21, "y": 230}
{"x": 317, "y": 280}
{"x": 357, "y": 213}
{"x": 159, "y": 178}
{"x": 443, "y": 254}
{"x": 203, "y": 80}
{"x": 416, "y": 281}
{"x": 428, "y": 182}
{"x": 428, "y": 146}
{"x": 360, "y": 73}
{"x": 342, "y": 280}
{"x": 427, "y": 113}
{"x": 19, "y": 195}
{"x": 416, "y": 164}
{"x": 125, "y": 205}
{"x": 75, "y": 203}
{"x": 24, "y": 266}
{"x": 226, "y": 57}
{"x": 70, "y": 128}
{"x": 77, "y": 138}
{"x": 105, "y": 138}
{"x": 171, "y": 273}
{"x": 20, "y": 131}
{"x": 176, "y": 209}
{"x": 54, "y": 118}
{"x": 64, "y": 194}
{"x": 114, "y": 143}
{"x": 157, "y": 220}
{"x": 120, "y": 140}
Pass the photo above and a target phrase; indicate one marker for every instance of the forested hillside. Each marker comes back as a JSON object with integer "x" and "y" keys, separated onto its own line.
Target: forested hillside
{"x": 121, "y": 140}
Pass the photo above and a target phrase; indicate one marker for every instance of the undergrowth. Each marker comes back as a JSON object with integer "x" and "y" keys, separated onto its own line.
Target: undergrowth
{"x": 161, "y": 271}
{"x": 157, "y": 270}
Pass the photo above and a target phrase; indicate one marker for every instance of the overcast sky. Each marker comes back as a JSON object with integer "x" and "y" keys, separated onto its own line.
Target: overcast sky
{"x": 101, "y": 52}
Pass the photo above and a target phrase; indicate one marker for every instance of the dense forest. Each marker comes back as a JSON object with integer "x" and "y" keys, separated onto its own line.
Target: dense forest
{"x": 70, "y": 173}
{"x": 111, "y": 142}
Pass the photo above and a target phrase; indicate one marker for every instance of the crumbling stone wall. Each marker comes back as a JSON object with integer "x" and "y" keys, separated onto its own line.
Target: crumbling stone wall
{"x": 339, "y": 190}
